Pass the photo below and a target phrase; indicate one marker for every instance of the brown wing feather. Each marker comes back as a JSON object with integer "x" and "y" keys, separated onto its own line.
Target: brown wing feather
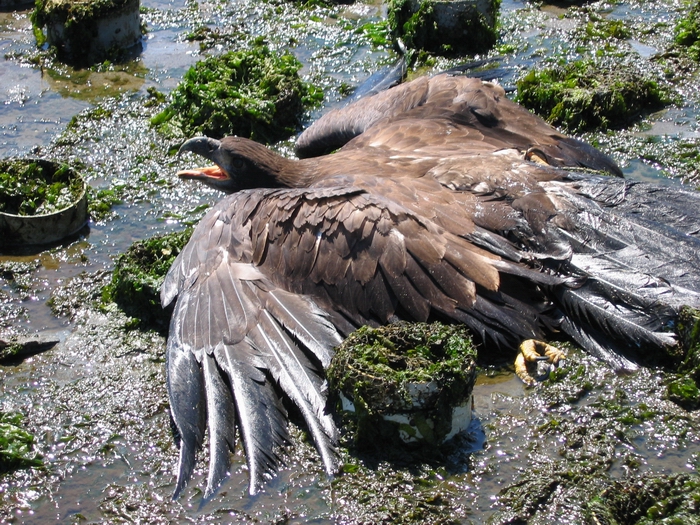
{"x": 339, "y": 126}
{"x": 400, "y": 261}
{"x": 435, "y": 118}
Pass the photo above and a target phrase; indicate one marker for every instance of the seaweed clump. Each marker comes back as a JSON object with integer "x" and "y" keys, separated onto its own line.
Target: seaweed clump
{"x": 649, "y": 499}
{"x": 683, "y": 389}
{"x": 35, "y": 187}
{"x": 687, "y": 31}
{"x": 442, "y": 28}
{"x": 253, "y": 93}
{"x": 16, "y": 445}
{"x": 584, "y": 95}
{"x": 139, "y": 274}
{"x": 402, "y": 382}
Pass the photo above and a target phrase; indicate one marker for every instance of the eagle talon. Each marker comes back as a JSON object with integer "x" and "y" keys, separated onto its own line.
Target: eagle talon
{"x": 532, "y": 351}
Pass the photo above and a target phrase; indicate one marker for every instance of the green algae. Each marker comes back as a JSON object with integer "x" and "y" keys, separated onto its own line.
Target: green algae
{"x": 378, "y": 33}
{"x": 139, "y": 274}
{"x": 97, "y": 113}
{"x": 684, "y": 391}
{"x": 682, "y": 387}
{"x": 647, "y": 499}
{"x": 687, "y": 31}
{"x": 209, "y": 38}
{"x": 16, "y": 445}
{"x": 382, "y": 493}
{"x": 596, "y": 34}
{"x": 416, "y": 24}
{"x": 101, "y": 203}
{"x": 35, "y": 187}
{"x": 378, "y": 370}
{"x": 584, "y": 95}
{"x": 255, "y": 93}
{"x": 599, "y": 28}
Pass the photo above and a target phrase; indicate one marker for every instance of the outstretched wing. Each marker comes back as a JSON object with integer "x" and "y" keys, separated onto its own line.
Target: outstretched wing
{"x": 446, "y": 115}
{"x": 235, "y": 340}
{"x": 271, "y": 278}
{"x": 369, "y": 256}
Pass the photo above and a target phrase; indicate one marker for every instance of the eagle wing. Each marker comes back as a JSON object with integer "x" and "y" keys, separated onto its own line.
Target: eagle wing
{"x": 446, "y": 113}
{"x": 272, "y": 279}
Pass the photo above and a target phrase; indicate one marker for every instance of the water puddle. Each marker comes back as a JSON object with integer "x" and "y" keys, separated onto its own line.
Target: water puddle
{"x": 644, "y": 50}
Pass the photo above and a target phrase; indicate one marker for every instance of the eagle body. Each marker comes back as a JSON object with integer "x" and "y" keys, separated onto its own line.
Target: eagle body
{"x": 445, "y": 201}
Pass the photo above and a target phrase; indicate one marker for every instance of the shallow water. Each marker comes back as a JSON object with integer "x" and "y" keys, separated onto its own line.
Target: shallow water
{"x": 97, "y": 403}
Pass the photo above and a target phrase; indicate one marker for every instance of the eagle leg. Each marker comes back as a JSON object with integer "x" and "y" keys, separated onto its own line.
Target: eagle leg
{"x": 532, "y": 351}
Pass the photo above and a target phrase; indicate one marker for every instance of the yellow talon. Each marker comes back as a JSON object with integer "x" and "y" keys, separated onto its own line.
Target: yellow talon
{"x": 536, "y": 156}
{"x": 532, "y": 351}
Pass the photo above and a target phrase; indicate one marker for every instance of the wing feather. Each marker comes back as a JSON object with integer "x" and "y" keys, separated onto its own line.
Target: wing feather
{"x": 263, "y": 419}
{"x": 301, "y": 381}
{"x": 187, "y": 401}
{"x": 221, "y": 424}
{"x": 301, "y": 317}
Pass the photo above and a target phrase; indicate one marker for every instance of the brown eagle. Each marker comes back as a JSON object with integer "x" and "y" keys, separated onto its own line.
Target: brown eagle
{"x": 444, "y": 201}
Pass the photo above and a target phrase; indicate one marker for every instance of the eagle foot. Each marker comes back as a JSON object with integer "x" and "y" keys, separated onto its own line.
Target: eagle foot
{"x": 533, "y": 351}
{"x": 537, "y": 156}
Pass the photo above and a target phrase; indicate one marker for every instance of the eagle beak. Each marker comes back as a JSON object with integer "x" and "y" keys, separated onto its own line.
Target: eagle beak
{"x": 208, "y": 172}
{"x": 205, "y": 147}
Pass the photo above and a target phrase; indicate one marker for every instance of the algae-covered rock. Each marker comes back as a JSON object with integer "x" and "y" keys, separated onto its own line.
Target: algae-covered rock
{"x": 40, "y": 201}
{"x": 16, "y": 445}
{"x": 585, "y": 95}
{"x": 88, "y": 31}
{"x": 687, "y": 31}
{"x": 255, "y": 93}
{"x": 139, "y": 274}
{"x": 445, "y": 27}
{"x": 405, "y": 383}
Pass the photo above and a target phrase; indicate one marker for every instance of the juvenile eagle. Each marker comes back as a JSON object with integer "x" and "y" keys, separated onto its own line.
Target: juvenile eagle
{"x": 445, "y": 201}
